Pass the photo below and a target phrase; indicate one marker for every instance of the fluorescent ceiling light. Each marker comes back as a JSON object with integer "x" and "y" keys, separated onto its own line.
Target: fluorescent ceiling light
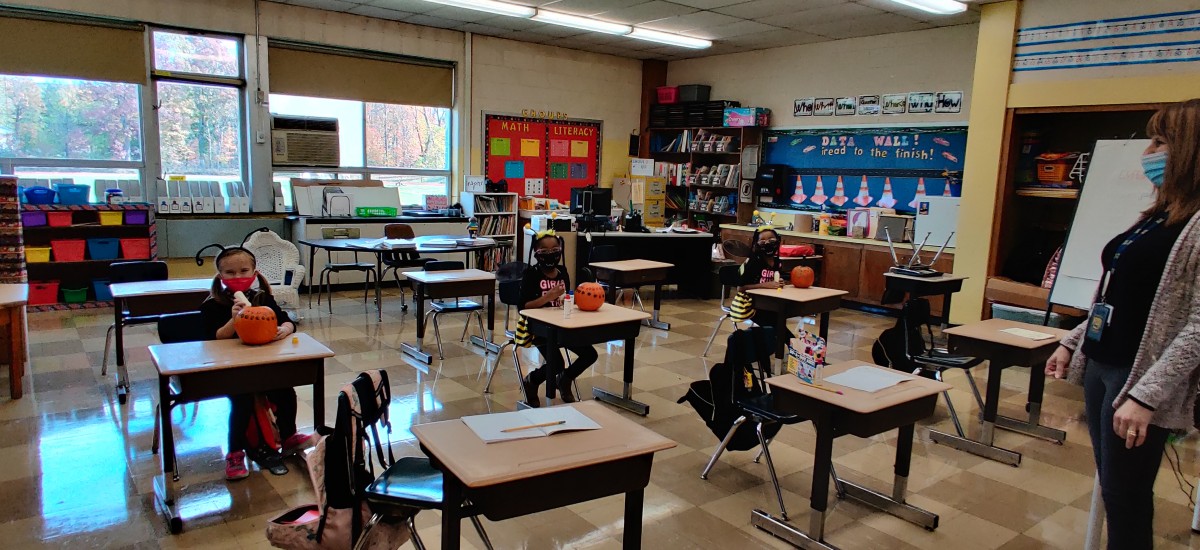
{"x": 577, "y": 22}
{"x": 939, "y": 7}
{"x": 668, "y": 38}
{"x": 490, "y": 6}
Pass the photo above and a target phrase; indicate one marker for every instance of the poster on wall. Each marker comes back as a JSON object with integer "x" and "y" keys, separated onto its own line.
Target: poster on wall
{"x": 895, "y": 104}
{"x": 920, "y": 102}
{"x": 868, "y": 105}
{"x": 823, "y": 106}
{"x": 846, "y": 106}
{"x": 562, "y": 153}
{"x": 803, "y": 107}
{"x": 841, "y": 169}
{"x": 948, "y": 102}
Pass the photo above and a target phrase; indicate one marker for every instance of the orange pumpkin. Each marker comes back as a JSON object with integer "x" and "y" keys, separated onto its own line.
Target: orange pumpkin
{"x": 256, "y": 325}
{"x": 802, "y": 276}
{"x": 589, "y": 296}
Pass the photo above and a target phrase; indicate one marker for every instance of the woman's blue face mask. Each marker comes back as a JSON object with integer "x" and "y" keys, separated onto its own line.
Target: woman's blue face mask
{"x": 1155, "y": 167}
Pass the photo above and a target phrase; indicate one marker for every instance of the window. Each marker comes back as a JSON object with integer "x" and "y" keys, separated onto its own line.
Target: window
{"x": 404, "y": 136}
{"x": 198, "y": 90}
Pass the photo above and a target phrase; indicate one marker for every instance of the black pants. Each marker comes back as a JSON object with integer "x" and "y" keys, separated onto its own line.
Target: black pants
{"x": 241, "y": 410}
{"x": 1126, "y": 475}
{"x": 585, "y": 356}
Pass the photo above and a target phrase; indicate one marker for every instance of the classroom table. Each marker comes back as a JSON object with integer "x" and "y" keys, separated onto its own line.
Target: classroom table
{"x": 586, "y": 328}
{"x": 632, "y": 274}
{"x": 145, "y": 302}
{"x": 370, "y": 246}
{"x": 944, "y": 285}
{"x": 215, "y": 368}
{"x": 1002, "y": 350}
{"x": 459, "y": 283}
{"x": 861, "y": 414}
{"x": 514, "y": 478}
{"x": 788, "y": 302}
{"x": 13, "y": 297}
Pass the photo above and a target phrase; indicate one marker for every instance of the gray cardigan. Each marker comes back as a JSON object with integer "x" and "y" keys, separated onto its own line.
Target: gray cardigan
{"x": 1165, "y": 374}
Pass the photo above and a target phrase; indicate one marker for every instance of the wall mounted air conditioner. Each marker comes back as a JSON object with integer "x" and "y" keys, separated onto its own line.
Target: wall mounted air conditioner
{"x": 304, "y": 141}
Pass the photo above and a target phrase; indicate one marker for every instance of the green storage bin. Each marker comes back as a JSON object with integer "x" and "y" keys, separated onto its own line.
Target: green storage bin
{"x": 375, "y": 212}
{"x": 75, "y": 295}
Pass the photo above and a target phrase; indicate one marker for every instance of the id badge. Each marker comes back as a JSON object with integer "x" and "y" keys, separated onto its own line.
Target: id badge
{"x": 1098, "y": 320}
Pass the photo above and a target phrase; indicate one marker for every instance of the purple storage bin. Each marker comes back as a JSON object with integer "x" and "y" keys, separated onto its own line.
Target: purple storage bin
{"x": 136, "y": 217}
{"x": 34, "y": 218}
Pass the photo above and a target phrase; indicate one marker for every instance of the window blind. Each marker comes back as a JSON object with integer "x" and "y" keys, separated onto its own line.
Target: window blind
{"x": 45, "y": 47}
{"x": 309, "y": 72}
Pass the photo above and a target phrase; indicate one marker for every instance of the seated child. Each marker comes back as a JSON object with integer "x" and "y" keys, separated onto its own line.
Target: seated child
{"x": 762, "y": 268}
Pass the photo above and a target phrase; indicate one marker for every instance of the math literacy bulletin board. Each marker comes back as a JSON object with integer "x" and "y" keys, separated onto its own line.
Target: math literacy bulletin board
{"x": 854, "y": 168}
{"x": 565, "y": 153}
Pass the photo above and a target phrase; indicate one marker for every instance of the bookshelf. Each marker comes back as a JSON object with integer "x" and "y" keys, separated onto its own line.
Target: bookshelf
{"x": 703, "y": 170}
{"x": 497, "y": 217}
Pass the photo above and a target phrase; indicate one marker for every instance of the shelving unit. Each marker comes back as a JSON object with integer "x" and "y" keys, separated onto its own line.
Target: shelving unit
{"x": 497, "y": 217}
{"x": 85, "y": 224}
{"x": 689, "y": 194}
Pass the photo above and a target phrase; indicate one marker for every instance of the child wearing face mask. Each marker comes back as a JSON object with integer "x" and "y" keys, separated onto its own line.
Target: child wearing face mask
{"x": 237, "y": 272}
{"x": 762, "y": 269}
{"x": 543, "y": 285}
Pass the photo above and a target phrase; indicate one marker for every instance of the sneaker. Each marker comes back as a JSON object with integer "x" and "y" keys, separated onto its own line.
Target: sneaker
{"x": 269, "y": 460}
{"x": 531, "y": 392}
{"x": 235, "y": 466}
{"x": 298, "y": 442}
{"x": 565, "y": 390}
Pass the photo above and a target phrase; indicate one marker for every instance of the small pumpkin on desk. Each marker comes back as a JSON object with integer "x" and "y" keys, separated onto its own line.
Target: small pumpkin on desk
{"x": 803, "y": 276}
{"x": 255, "y": 325}
{"x": 589, "y": 296}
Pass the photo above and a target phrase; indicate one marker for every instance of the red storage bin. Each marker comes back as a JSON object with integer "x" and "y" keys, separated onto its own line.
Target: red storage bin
{"x": 68, "y": 250}
{"x": 43, "y": 293}
{"x": 59, "y": 219}
{"x": 667, "y": 95}
{"x": 135, "y": 249}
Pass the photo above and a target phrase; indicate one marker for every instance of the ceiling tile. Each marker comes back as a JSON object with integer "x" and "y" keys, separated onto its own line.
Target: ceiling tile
{"x": 411, "y": 6}
{"x": 430, "y": 21}
{"x": 590, "y": 7}
{"x": 648, "y": 11}
{"x": 774, "y": 39}
{"x": 329, "y": 5}
{"x": 510, "y": 23}
{"x": 741, "y": 27}
{"x": 380, "y": 13}
{"x": 880, "y": 23}
{"x": 759, "y": 9}
{"x": 709, "y": 4}
{"x": 698, "y": 20}
{"x": 809, "y": 20}
{"x": 483, "y": 29}
{"x": 460, "y": 14}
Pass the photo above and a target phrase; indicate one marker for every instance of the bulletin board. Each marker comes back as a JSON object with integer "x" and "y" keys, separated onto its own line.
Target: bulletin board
{"x": 839, "y": 169}
{"x": 563, "y": 152}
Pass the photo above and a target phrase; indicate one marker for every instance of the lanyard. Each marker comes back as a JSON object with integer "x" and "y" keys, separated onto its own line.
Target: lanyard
{"x": 1145, "y": 227}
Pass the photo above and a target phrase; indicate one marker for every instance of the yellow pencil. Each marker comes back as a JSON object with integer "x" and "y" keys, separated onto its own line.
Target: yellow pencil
{"x": 532, "y": 426}
{"x": 839, "y": 392}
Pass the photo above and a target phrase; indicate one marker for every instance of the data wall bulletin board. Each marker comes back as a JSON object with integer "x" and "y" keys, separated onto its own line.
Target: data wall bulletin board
{"x": 564, "y": 153}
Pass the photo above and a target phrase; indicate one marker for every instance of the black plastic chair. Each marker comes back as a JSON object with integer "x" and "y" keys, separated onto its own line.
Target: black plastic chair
{"x": 459, "y": 305}
{"x": 174, "y": 328}
{"x": 409, "y": 485}
{"x": 131, "y": 272}
{"x": 401, "y": 259}
{"x": 508, "y": 279}
{"x": 326, "y": 277}
{"x": 731, "y": 279}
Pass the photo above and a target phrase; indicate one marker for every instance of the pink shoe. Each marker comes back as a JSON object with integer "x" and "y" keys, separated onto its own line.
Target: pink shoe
{"x": 235, "y": 466}
{"x": 298, "y": 442}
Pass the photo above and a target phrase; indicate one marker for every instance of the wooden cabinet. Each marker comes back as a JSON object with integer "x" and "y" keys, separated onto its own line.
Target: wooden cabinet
{"x": 841, "y": 269}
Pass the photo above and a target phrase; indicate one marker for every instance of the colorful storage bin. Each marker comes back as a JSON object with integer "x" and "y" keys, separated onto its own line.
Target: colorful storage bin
{"x": 103, "y": 249}
{"x": 73, "y": 193}
{"x": 137, "y": 217}
{"x": 75, "y": 295}
{"x": 112, "y": 218}
{"x": 68, "y": 250}
{"x": 35, "y": 218}
{"x": 135, "y": 249}
{"x": 37, "y": 254}
{"x": 61, "y": 219}
{"x": 667, "y": 95}
{"x": 43, "y": 293}
{"x": 100, "y": 287}
{"x": 39, "y": 195}
{"x": 747, "y": 116}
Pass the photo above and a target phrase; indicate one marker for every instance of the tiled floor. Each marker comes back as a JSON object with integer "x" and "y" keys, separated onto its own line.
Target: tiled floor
{"x": 78, "y": 468}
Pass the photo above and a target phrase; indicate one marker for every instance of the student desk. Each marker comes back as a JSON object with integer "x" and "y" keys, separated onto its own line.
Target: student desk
{"x": 789, "y": 301}
{"x": 944, "y": 285}
{"x": 635, "y": 273}
{"x": 586, "y": 328}
{"x": 515, "y": 478}
{"x": 216, "y": 368}
{"x": 861, "y": 414}
{"x": 13, "y": 298}
{"x": 145, "y": 301}
{"x": 1003, "y": 350}
{"x": 459, "y": 283}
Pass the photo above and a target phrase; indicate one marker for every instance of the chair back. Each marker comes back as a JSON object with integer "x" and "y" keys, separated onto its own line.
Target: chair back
{"x": 137, "y": 272}
{"x": 399, "y": 231}
{"x": 730, "y": 277}
{"x": 275, "y": 256}
{"x": 181, "y": 327}
{"x": 362, "y": 407}
{"x": 605, "y": 253}
{"x": 444, "y": 265}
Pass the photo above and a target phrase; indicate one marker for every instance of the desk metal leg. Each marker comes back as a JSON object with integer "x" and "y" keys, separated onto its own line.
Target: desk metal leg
{"x": 452, "y": 496}
{"x": 632, "y": 538}
{"x": 165, "y": 484}
{"x": 895, "y": 504}
{"x": 625, "y": 400}
{"x": 122, "y": 370}
{"x": 414, "y": 350}
{"x": 1032, "y": 426}
{"x": 489, "y": 345}
{"x": 823, "y": 325}
{"x": 987, "y": 434}
{"x": 819, "y": 500}
{"x": 378, "y": 284}
{"x": 946, "y": 310}
{"x": 654, "y": 322}
{"x": 312, "y": 260}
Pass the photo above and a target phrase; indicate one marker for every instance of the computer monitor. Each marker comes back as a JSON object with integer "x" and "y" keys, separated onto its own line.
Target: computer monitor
{"x": 596, "y": 201}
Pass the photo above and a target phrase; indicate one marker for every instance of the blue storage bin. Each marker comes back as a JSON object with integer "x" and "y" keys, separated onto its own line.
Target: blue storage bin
{"x": 39, "y": 195}
{"x": 103, "y": 249}
{"x": 73, "y": 193}
{"x": 103, "y": 294}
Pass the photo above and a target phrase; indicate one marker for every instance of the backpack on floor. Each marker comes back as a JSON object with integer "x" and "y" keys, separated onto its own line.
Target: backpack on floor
{"x": 734, "y": 379}
{"x": 341, "y": 466}
{"x": 894, "y": 345}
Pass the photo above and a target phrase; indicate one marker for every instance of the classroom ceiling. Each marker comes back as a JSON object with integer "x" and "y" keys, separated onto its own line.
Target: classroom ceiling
{"x": 732, "y": 25}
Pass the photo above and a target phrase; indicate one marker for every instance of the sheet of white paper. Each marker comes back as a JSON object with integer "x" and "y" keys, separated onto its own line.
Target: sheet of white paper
{"x": 1026, "y": 333}
{"x": 868, "y": 379}
{"x": 490, "y": 427}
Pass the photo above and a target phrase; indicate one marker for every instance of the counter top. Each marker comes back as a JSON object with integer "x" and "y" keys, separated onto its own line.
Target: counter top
{"x": 397, "y": 219}
{"x": 599, "y": 234}
{"x": 900, "y": 247}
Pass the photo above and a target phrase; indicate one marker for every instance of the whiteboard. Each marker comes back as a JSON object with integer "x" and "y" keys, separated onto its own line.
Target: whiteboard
{"x": 1114, "y": 195}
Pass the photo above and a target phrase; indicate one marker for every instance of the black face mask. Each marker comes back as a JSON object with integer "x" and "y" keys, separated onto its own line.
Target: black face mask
{"x": 548, "y": 260}
{"x": 768, "y": 248}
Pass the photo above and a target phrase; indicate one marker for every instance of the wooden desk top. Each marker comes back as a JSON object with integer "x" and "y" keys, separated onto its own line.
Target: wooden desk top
{"x": 608, "y": 314}
{"x": 14, "y": 294}
{"x": 943, "y": 278}
{"x": 480, "y": 464}
{"x": 860, "y": 401}
{"x": 632, "y": 265}
{"x": 989, "y": 331}
{"x": 190, "y": 357}
{"x": 153, "y": 288}
{"x": 794, "y": 294}
{"x": 452, "y": 276}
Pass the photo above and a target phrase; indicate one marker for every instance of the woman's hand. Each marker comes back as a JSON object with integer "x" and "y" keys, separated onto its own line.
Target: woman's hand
{"x": 1056, "y": 365}
{"x": 1131, "y": 421}
{"x": 284, "y": 331}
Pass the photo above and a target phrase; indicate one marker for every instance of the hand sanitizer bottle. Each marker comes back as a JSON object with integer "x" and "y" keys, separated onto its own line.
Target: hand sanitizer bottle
{"x": 567, "y": 304}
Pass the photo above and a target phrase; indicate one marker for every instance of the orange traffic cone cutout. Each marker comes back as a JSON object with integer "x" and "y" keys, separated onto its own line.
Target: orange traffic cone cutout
{"x": 864, "y": 195}
{"x": 799, "y": 196}
{"x": 819, "y": 197}
{"x": 920, "y": 193}
{"x": 839, "y": 194}
{"x": 887, "y": 200}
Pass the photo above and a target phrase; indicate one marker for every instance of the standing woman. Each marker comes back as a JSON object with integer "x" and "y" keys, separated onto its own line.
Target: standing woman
{"x": 1138, "y": 353}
